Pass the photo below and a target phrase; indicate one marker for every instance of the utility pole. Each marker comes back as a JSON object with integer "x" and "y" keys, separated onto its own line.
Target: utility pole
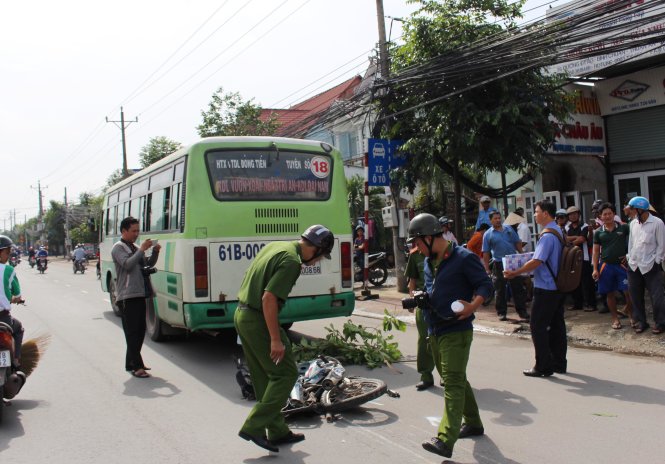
{"x": 121, "y": 125}
{"x": 384, "y": 66}
{"x": 68, "y": 241}
{"x": 40, "y": 224}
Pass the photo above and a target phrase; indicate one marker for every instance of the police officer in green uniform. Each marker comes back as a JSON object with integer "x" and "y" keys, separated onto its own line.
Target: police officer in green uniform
{"x": 265, "y": 288}
{"x": 415, "y": 272}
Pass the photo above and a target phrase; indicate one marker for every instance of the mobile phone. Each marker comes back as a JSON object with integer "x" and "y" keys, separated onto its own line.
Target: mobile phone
{"x": 154, "y": 242}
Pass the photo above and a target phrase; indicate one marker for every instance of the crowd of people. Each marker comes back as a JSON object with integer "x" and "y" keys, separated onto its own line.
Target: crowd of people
{"x": 619, "y": 259}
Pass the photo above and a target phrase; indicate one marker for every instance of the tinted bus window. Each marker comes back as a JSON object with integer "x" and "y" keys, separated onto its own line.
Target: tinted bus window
{"x": 269, "y": 175}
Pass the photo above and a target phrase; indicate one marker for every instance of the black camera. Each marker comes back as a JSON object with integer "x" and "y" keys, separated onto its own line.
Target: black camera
{"x": 419, "y": 299}
{"x": 148, "y": 271}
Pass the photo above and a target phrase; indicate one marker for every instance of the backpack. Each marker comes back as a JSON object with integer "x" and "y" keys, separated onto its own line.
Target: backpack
{"x": 570, "y": 264}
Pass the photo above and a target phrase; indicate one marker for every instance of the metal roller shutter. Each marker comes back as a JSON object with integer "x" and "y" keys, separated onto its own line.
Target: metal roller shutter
{"x": 636, "y": 135}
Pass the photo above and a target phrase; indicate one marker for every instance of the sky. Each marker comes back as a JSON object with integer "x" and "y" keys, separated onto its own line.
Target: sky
{"x": 67, "y": 66}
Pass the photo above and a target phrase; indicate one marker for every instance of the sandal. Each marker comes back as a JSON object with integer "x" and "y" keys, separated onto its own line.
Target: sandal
{"x": 658, "y": 330}
{"x": 639, "y": 329}
{"x": 140, "y": 373}
{"x": 616, "y": 325}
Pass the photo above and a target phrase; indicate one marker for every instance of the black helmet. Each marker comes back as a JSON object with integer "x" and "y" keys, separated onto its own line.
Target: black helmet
{"x": 423, "y": 225}
{"x": 320, "y": 237}
{"x": 5, "y": 242}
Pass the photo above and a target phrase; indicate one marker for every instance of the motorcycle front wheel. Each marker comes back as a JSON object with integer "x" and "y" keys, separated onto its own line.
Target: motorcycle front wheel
{"x": 358, "y": 391}
{"x": 378, "y": 275}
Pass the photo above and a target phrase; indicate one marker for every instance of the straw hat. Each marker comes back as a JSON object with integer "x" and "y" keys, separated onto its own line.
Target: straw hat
{"x": 514, "y": 219}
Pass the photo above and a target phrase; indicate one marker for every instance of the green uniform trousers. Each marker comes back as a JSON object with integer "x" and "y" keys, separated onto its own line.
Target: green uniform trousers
{"x": 272, "y": 383}
{"x": 451, "y": 354}
{"x": 424, "y": 361}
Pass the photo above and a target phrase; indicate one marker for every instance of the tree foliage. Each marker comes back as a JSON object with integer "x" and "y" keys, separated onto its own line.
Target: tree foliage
{"x": 156, "y": 149}
{"x": 502, "y": 125}
{"x": 229, "y": 114}
{"x": 115, "y": 177}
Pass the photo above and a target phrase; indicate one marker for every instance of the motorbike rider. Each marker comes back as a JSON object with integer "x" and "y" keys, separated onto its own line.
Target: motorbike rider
{"x": 79, "y": 254}
{"x": 11, "y": 294}
{"x": 42, "y": 253}
{"x": 359, "y": 245}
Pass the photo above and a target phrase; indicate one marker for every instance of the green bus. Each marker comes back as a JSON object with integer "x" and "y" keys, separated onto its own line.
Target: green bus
{"x": 213, "y": 206}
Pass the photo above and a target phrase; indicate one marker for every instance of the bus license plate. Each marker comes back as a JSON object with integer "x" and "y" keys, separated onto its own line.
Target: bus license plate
{"x": 311, "y": 270}
{"x": 5, "y": 359}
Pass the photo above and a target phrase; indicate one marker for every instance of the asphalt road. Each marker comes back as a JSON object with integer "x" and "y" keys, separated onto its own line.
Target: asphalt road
{"x": 80, "y": 406}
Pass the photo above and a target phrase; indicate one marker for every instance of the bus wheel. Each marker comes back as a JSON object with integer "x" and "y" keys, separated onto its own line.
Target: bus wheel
{"x": 154, "y": 325}
{"x": 114, "y": 304}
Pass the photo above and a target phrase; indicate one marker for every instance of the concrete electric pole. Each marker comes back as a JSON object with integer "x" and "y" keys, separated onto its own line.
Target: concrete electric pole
{"x": 122, "y": 126}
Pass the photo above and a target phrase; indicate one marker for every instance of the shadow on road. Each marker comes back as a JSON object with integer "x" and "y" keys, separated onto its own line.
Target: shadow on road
{"x": 11, "y": 426}
{"x": 512, "y": 408}
{"x": 585, "y": 385}
{"x": 485, "y": 451}
{"x": 151, "y": 387}
{"x": 285, "y": 455}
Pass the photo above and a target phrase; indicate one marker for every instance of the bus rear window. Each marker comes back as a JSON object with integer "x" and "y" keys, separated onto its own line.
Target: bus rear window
{"x": 269, "y": 175}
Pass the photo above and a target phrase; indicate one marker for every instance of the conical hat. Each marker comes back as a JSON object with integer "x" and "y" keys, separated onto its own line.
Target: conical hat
{"x": 513, "y": 219}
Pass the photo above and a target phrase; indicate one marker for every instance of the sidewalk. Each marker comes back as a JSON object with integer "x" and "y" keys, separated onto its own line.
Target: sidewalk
{"x": 585, "y": 329}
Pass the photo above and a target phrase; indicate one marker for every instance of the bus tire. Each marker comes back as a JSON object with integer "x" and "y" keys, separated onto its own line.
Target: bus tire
{"x": 154, "y": 325}
{"x": 110, "y": 284}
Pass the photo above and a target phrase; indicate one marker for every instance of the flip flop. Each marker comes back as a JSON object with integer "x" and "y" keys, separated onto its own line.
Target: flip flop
{"x": 140, "y": 373}
{"x": 617, "y": 325}
{"x": 658, "y": 330}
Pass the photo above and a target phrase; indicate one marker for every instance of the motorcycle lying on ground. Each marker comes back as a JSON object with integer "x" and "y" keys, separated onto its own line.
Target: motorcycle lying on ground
{"x": 79, "y": 266}
{"x": 41, "y": 265}
{"x": 322, "y": 388}
{"x": 12, "y": 377}
{"x": 377, "y": 269}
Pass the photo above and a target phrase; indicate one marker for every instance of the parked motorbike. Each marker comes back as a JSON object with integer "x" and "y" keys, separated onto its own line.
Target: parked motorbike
{"x": 41, "y": 265}
{"x": 79, "y": 266}
{"x": 12, "y": 378}
{"x": 32, "y": 261}
{"x": 377, "y": 269}
{"x": 324, "y": 388}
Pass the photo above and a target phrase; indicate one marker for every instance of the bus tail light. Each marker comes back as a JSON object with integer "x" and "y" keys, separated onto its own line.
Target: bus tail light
{"x": 200, "y": 271}
{"x": 347, "y": 265}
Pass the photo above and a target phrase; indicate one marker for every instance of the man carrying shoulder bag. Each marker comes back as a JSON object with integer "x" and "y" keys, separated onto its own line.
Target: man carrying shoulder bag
{"x": 133, "y": 271}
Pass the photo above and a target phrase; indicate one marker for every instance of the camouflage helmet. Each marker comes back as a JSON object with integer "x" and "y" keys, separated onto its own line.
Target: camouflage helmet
{"x": 5, "y": 242}
{"x": 423, "y": 225}
{"x": 320, "y": 237}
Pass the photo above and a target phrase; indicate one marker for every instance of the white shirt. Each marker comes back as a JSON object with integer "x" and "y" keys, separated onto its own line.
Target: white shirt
{"x": 79, "y": 254}
{"x": 450, "y": 237}
{"x": 524, "y": 234}
{"x": 646, "y": 244}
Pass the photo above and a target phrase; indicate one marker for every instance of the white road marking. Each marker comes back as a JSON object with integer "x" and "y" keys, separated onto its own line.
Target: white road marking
{"x": 83, "y": 291}
{"x": 67, "y": 285}
{"x": 106, "y": 300}
{"x": 433, "y": 421}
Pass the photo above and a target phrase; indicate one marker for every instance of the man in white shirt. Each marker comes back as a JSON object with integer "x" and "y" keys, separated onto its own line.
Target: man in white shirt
{"x": 646, "y": 251}
{"x": 524, "y": 232}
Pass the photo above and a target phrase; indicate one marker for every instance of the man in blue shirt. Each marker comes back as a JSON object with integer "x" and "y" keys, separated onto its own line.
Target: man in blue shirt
{"x": 500, "y": 241}
{"x": 459, "y": 278}
{"x": 548, "y": 329}
{"x": 484, "y": 212}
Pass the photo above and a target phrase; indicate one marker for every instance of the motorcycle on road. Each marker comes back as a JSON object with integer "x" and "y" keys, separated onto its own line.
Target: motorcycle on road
{"x": 41, "y": 264}
{"x": 79, "y": 265}
{"x": 12, "y": 377}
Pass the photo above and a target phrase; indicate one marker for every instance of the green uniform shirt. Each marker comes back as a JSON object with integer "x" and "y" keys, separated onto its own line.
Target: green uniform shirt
{"x": 10, "y": 286}
{"x": 275, "y": 269}
{"x": 613, "y": 245}
{"x": 415, "y": 269}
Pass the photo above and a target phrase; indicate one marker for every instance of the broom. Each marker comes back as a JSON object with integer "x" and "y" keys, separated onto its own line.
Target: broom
{"x": 32, "y": 351}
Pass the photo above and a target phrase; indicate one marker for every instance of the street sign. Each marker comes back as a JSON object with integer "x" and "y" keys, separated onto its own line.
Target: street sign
{"x": 382, "y": 157}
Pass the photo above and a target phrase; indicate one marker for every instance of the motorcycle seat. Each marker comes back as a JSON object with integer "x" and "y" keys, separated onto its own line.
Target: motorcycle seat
{"x": 6, "y": 327}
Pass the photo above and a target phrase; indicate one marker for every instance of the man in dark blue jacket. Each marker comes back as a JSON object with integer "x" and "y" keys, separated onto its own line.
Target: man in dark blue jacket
{"x": 459, "y": 280}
